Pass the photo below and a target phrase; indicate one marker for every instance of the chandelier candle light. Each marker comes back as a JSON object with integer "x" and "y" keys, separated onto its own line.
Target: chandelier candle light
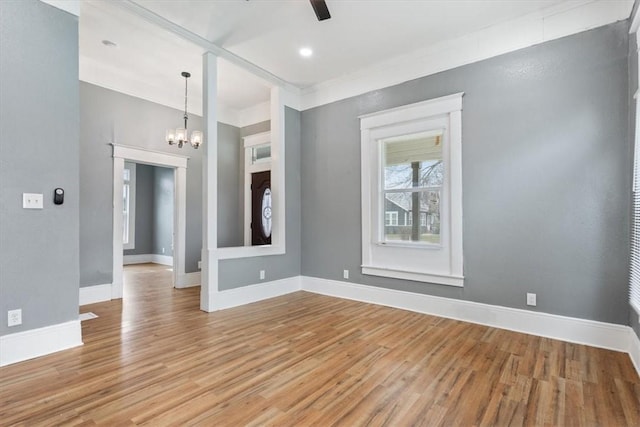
{"x": 181, "y": 135}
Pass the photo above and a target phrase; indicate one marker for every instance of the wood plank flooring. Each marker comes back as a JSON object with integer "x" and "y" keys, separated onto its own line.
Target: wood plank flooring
{"x": 309, "y": 360}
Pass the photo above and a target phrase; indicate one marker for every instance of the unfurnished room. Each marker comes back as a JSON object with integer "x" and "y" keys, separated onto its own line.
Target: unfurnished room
{"x": 319, "y": 213}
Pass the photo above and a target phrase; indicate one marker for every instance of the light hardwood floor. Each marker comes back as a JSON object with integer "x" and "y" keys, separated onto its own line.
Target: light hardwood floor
{"x": 309, "y": 360}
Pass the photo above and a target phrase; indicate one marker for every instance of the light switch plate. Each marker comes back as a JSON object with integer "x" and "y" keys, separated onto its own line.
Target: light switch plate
{"x": 32, "y": 201}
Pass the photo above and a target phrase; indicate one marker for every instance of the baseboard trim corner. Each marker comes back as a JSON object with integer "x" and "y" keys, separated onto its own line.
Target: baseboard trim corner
{"x": 580, "y": 331}
{"x": 258, "y": 292}
{"x": 634, "y": 349}
{"x": 38, "y": 342}
{"x": 95, "y": 293}
{"x": 188, "y": 280}
{"x": 147, "y": 258}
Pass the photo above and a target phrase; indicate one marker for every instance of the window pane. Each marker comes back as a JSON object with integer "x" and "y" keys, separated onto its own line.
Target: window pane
{"x": 265, "y": 219}
{"x": 399, "y": 224}
{"x": 261, "y": 153}
{"x": 125, "y": 214}
{"x": 412, "y": 161}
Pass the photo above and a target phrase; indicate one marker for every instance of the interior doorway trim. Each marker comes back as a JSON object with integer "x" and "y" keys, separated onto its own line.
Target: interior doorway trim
{"x": 250, "y": 168}
{"x": 154, "y": 158}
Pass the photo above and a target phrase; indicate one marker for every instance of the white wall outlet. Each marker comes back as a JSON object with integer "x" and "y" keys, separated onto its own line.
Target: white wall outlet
{"x": 261, "y": 274}
{"x": 14, "y": 317}
{"x": 345, "y": 274}
{"x": 32, "y": 201}
{"x": 199, "y": 265}
{"x": 162, "y": 250}
{"x": 531, "y": 299}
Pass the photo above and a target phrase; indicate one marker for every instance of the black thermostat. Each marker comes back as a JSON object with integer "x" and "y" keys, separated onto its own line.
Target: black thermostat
{"x": 58, "y": 196}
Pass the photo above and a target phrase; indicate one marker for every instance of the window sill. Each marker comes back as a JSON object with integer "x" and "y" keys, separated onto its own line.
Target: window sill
{"x": 439, "y": 279}
{"x": 412, "y": 245}
{"x": 250, "y": 251}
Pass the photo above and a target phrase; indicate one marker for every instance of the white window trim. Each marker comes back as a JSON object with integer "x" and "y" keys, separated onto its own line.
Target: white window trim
{"x": 131, "y": 244}
{"x": 402, "y": 261}
{"x": 392, "y": 215}
{"x": 634, "y": 299}
{"x": 251, "y": 167}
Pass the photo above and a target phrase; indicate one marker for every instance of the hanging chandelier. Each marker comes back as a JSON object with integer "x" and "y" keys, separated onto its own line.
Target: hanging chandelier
{"x": 180, "y": 136}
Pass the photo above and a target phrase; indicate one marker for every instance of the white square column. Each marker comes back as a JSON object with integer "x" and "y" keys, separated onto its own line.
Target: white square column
{"x": 209, "y": 273}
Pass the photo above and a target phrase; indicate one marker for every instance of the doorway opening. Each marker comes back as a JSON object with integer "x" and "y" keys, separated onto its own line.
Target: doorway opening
{"x": 172, "y": 194}
{"x": 257, "y": 190}
{"x": 147, "y": 223}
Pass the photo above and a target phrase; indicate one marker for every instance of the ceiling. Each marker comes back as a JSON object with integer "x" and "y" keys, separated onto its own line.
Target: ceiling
{"x": 268, "y": 33}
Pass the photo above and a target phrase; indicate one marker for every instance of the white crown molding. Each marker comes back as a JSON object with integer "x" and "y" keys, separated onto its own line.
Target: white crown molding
{"x": 95, "y": 293}
{"x": 549, "y": 24}
{"x": 220, "y": 52}
{"x": 256, "y": 114}
{"x": 71, "y": 6}
{"x": 555, "y": 22}
{"x": 226, "y": 114}
{"x": 39, "y": 342}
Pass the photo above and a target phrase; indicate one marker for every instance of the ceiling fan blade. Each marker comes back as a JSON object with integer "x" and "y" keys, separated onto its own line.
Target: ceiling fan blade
{"x": 321, "y": 9}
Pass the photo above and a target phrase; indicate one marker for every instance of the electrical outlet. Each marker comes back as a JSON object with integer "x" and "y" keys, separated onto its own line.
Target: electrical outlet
{"x": 32, "y": 201}
{"x": 14, "y": 317}
{"x": 199, "y": 265}
{"x": 162, "y": 250}
{"x": 262, "y": 275}
{"x": 345, "y": 274}
{"x": 531, "y": 299}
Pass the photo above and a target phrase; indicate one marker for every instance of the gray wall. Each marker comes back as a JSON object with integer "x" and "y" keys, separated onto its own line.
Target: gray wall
{"x": 546, "y": 177}
{"x": 235, "y": 273}
{"x": 144, "y": 211}
{"x": 108, "y": 116}
{"x": 230, "y": 221}
{"x": 163, "y": 190}
{"x": 39, "y": 141}
{"x": 254, "y": 129}
{"x": 154, "y": 211}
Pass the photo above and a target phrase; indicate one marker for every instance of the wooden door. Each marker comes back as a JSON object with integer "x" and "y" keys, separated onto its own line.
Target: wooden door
{"x": 261, "y": 208}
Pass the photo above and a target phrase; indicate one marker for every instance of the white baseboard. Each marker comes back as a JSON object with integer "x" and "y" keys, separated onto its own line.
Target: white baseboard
{"x": 580, "y": 331}
{"x": 634, "y": 350}
{"x": 94, "y": 294}
{"x": 39, "y": 342}
{"x": 188, "y": 280}
{"x": 254, "y": 293}
{"x": 146, "y": 258}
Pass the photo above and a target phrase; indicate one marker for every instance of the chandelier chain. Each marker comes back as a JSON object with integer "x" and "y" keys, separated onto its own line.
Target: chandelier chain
{"x": 185, "y": 102}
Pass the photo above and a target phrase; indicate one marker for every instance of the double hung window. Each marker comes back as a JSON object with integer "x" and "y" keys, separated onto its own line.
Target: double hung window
{"x": 412, "y": 192}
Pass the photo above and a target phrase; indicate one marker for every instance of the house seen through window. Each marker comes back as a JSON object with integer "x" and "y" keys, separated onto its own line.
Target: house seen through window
{"x": 413, "y": 175}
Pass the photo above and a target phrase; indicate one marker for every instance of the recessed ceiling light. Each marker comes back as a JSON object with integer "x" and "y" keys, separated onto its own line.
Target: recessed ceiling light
{"x": 109, "y": 43}
{"x": 306, "y": 52}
